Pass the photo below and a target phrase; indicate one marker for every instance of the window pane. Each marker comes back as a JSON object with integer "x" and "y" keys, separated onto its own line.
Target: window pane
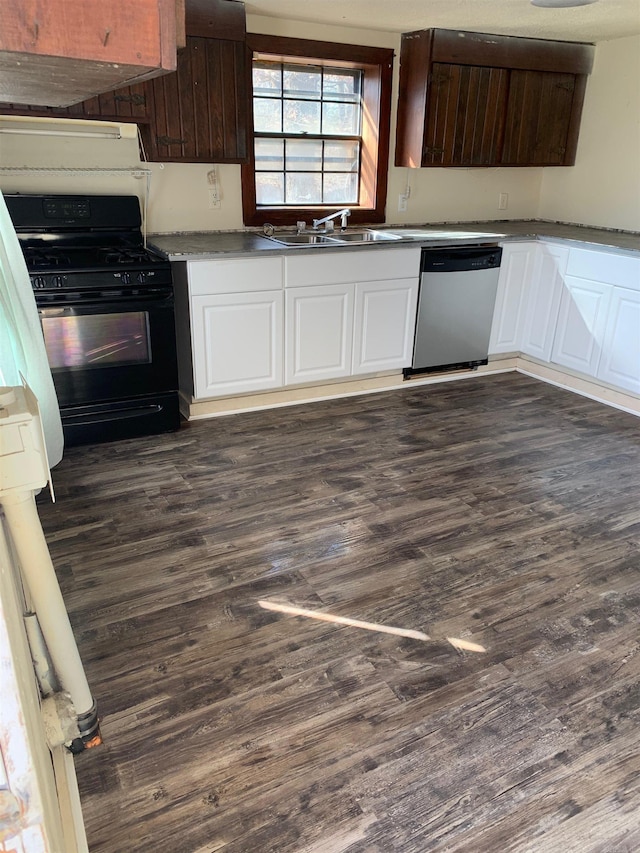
{"x": 270, "y": 154}
{"x": 304, "y": 188}
{"x": 301, "y": 117}
{"x": 267, "y": 78}
{"x": 341, "y": 155}
{"x": 341, "y": 118}
{"x": 304, "y": 155}
{"x": 267, "y": 115}
{"x": 341, "y": 189}
{"x": 343, "y": 86}
{"x": 306, "y": 83}
{"x": 269, "y": 188}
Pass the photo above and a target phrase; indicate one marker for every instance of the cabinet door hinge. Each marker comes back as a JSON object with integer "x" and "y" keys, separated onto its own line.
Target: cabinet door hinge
{"x": 438, "y": 78}
{"x": 169, "y": 140}
{"x": 138, "y": 100}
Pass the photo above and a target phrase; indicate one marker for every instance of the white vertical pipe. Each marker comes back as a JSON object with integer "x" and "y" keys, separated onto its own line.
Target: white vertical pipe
{"x": 40, "y": 577}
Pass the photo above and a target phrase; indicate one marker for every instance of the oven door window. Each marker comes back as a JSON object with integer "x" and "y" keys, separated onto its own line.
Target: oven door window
{"x": 97, "y": 340}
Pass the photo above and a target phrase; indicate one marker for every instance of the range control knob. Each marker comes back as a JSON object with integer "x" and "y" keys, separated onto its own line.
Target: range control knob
{"x": 56, "y": 281}
{"x": 141, "y": 277}
{"x": 126, "y": 278}
{"x": 38, "y": 282}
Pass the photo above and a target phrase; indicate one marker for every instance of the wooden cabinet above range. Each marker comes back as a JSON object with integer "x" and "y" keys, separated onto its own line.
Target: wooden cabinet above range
{"x": 199, "y": 113}
{"x": 63, "y": 51}
{"x": 471, "y": 99}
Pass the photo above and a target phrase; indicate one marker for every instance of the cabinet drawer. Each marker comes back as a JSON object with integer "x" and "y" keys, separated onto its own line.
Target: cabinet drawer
{"x": 242, "y": 275}
{"x": 343, "y": 266}
{"x": 608, "y": 267}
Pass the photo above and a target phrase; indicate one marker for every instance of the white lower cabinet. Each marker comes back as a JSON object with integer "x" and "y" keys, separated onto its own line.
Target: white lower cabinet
{"x": 542, "y": 302}
{"x": 620, "y": 361}
{"x": 349, "y": 313}
{"x": 516, "y": 269}
{"x": 581, "y": 324}
{"x": 237, "y": 342}
{"x": 385, "y": 318}
{"x": 262, "y": 323}
{"x": 319, "y": 332}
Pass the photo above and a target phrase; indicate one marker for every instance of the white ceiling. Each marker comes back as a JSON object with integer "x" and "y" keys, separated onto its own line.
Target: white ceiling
{"x": 600, "y": 21}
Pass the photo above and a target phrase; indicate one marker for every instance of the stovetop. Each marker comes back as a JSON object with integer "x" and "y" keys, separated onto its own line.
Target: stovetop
{"x": 71, "y": 242}
{"x": 65, "y": 258}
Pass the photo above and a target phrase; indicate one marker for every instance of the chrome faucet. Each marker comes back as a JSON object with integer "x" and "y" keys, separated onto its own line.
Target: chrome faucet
{"x": 328, "y": 220}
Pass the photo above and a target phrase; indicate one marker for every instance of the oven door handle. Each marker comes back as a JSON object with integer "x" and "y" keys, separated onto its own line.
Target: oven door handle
{"x": 53, "y": 312}
{"x": 145, "y": 299}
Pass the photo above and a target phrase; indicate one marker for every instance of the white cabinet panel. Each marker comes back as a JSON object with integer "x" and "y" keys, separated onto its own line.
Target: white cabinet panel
{"x": 508, "y": 318}
{"x": 581, "y": 324}
{"x": 620, "y": 362}
{"x": 384, "y": 325}
{"x": 340, "y": 266}
{"x": 234, "y": 275}
{"x": 237, "y": 342}
{"x": 319, "y": 323}
{"x": 608, "y": 267}
{"x": 543, "y": 300}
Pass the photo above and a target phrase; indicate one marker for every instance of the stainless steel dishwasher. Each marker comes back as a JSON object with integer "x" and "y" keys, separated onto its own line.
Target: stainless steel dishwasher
{"x": 455, "y": 308}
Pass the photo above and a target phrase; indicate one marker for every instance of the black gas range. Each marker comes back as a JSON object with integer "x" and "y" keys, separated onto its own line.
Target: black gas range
{"x": 106, "y": 307}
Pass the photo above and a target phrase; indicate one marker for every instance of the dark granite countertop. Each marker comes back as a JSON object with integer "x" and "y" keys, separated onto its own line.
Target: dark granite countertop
{"x": 189, "y": 246}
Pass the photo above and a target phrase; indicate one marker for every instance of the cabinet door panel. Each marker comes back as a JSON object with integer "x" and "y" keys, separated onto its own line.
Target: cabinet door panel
{"x": 543, "y": 301}
{"x": 538, "y": 118}
{"x": 319, "y": 322}
{"x": 235, "y": 275}
{"x": 340, "y": 266}
{"x": 605, "y": 266}
{"x": 620, "y": 362}
{"x": 199, "y": 114}
{"x": 237, "y": 342}
{"x": 384, "y": 325}
{"x": 513, "y": 284}
{"x": 465, "y": 115}
{"x": 581, "y": 324}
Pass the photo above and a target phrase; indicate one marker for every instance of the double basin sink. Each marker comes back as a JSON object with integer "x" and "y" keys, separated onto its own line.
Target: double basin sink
{"x": 368, "y": 235}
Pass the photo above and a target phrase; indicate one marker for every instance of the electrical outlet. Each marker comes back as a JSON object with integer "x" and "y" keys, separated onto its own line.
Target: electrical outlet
{"x": 214, "y": 198}
{"x": 402, "y": 203}
{"x": 503, "y": 201}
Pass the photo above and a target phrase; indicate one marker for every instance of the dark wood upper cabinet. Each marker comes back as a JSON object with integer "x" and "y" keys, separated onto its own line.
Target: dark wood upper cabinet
{"x": 199, "y": 114}
{"x": 63, "y": 51}
{"x": 470, "y": 99}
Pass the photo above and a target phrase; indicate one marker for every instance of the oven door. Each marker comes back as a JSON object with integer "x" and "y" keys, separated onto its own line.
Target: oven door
{"x": 110, "y": 346}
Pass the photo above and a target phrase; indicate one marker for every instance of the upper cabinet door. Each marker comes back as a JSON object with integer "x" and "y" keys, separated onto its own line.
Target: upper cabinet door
{"x": 465, "y": 119}
{"x": 472, "y": 99}
{"x": 538, "y": 118}
{"x": 199, "y": 114}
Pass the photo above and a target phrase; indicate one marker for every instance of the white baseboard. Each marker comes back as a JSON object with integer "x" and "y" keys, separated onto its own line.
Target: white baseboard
{"x": 623, "y": 400}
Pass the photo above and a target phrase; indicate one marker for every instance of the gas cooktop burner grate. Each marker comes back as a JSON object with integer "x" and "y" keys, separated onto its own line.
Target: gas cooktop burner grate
{"x": 126, "y": 256}
{"x": 44, "y": 259}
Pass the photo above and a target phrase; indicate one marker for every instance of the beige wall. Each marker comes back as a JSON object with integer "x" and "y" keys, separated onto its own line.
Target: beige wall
{"x": 179, "y": 193}
{"x": 603, "y": 188}
{"x": 599, "y": 191}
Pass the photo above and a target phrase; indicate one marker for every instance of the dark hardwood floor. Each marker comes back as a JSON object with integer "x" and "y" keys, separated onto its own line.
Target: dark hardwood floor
{"x": 501, "y": 510}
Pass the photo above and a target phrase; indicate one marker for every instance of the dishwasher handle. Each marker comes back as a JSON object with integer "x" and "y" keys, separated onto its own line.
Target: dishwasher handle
{"x": 460, "y": 259}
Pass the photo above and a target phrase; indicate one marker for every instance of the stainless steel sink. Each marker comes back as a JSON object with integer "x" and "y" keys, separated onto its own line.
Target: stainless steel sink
{"x": 366, "y": 236}
{"x": 334, "y": 238}
{"x": 288, "y": 238}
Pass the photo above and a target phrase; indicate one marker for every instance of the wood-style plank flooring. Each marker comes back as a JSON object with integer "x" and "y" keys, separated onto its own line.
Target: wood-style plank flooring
{"x": 499, "y": 509}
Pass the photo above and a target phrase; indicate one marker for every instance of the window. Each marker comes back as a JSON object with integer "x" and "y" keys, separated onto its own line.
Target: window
{"x": 307, "y": 122}
{"x": 320, "y": 131}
